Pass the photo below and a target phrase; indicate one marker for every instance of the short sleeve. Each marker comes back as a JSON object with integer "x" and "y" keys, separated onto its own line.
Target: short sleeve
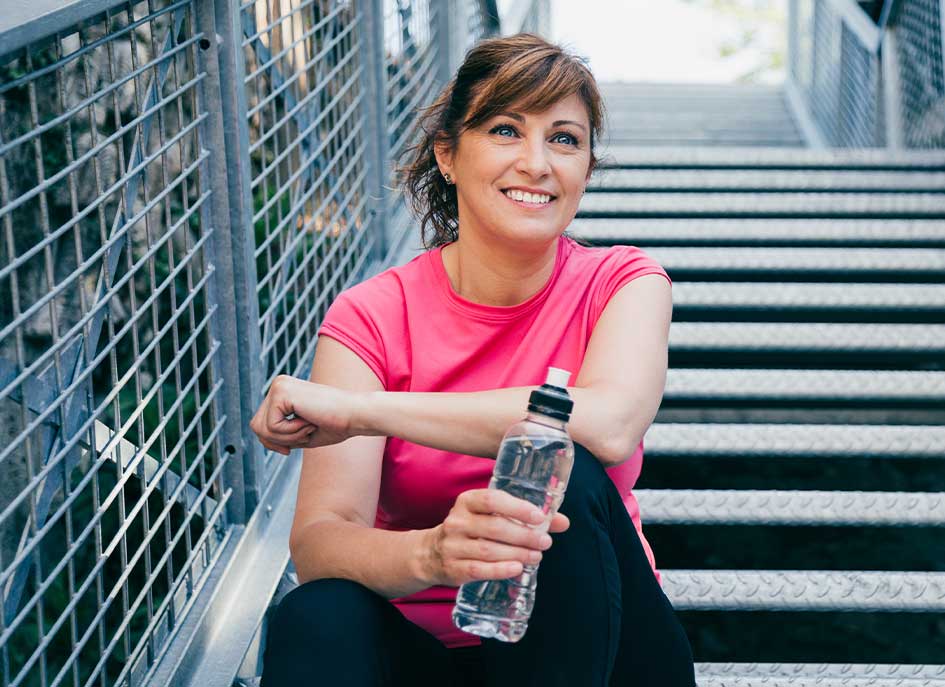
{"x": 622, "y": 265}
{"x": 349, "y": 321}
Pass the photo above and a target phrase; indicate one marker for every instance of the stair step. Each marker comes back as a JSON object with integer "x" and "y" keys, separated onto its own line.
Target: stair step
{"x": 772, "y": 158}
{"x": 707, "y": 440}
{"x": 819, "y": 674}
{"x": 869, "y": 264}
{"x": 801, "y": 180}
{"x": 808, "y": 296}
{"x": 821, "y": 337}
{"x": 804, "y": 590}
{"x": 720, "y": 205}
{"x": 770, "y": 232}
{"x": 756, "y": 507}
{"x": 713, "y": 384}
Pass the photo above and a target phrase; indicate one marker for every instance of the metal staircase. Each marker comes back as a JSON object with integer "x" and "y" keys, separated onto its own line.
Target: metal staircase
{"x": 807, "y": 345}
{"x": 652, "y": 114}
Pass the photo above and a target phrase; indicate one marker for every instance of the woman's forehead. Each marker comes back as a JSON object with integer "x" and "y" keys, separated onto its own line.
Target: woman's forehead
{"x": 570, "y": 107}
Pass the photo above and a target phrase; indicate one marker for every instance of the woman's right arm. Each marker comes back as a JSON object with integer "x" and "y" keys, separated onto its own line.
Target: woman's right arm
{"x": 333, "y": 533}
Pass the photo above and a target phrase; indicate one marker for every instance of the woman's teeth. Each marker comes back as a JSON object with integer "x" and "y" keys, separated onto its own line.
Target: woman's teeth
{"x": 525, "y": 197}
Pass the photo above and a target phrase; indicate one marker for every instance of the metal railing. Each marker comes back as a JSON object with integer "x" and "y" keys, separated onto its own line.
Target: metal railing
{"x": 185, "y": 186}
{"x": 856, "y": 80}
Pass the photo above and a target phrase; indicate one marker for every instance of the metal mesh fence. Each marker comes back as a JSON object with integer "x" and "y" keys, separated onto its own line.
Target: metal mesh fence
{"x": 836, "y": 66}
{"x": 304, "y": 95}
{"x": 112, "y": 503}
{"x": 918, "y": 31}
{"x": 411, "y": 68}
{"x": 836, "y": 63}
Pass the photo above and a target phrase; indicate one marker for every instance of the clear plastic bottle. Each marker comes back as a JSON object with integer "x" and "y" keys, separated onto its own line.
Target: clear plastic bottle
{"x": 534, "y": 464}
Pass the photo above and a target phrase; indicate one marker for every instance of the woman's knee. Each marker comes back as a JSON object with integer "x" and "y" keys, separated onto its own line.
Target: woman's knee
{"x": 587, "y": 485}
{"x": 327, "y": 609}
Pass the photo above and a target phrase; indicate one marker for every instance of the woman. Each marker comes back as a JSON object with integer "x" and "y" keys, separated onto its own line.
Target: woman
{"x": 419, "y": 371}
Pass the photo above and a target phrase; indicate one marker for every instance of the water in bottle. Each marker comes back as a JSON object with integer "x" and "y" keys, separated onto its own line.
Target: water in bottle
{"x": 534, "y": 464}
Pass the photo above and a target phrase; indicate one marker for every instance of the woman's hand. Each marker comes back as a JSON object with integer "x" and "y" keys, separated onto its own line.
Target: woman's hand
{"x": 481, "y": 540}
{"x": 301, "y": 414}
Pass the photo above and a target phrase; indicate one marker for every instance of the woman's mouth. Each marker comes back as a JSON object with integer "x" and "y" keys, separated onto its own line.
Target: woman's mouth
{"x": 528, "y": 200}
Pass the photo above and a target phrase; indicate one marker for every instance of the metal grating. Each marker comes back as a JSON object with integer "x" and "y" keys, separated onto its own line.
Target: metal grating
{"x": 918, "y": 27}
{"x": 112, "y": 505}
{"x": 304, "y": 96}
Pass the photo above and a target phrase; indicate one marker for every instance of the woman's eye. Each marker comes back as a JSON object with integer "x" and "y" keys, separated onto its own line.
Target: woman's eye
{"x": 502, "y": 127}
{"x": 569, "y": 139}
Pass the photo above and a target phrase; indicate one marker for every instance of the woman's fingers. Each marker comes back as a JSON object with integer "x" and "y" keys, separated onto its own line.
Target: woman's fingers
{"x": 502, "y": 503}
{"x": 559, "y": 523}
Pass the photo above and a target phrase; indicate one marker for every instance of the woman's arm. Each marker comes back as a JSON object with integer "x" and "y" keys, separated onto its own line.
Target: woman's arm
{"x": 616, "y": 394}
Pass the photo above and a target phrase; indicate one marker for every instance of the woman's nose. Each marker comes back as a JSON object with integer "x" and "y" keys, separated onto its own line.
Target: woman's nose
{"x": 533, "y": 159}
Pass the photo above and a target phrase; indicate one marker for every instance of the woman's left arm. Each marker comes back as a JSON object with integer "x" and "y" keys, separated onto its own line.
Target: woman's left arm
{"x": 616, "y": 393}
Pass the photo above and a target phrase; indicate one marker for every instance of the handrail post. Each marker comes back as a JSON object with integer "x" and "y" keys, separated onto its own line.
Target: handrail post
{"x": 217, "y": 219}
{"x": 244, "y": 342}
{"x": 375, "y": 122}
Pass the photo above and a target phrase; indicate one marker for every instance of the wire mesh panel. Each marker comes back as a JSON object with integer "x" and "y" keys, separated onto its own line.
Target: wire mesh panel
{"x": 859, "y": 105}
{"x": 918, "y": 27}
{"x": 836, "y": 65}
{"x": 411, "y": 59}
{"x": 839, "y": 75}
{"x": 304, "y": 92}
{"x": 112, "y": 502}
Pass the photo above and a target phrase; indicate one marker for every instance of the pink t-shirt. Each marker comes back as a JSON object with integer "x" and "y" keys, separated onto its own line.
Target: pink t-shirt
{"x": 417, "y": 334}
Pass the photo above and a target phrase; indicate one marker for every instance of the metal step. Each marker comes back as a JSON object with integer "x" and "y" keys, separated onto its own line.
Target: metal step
{"x": 772, "y": 158}
{"x": 791, "y": 337}
{"x": 804, "y": 590}
{"x": 803, "y": 386}
{"x": 676, "y": 139}
{"x": 635, "y": 119}
{"x": 774, "y": 205}
{"x": 869, "y": 264}
{"x": 701, "y": 440}
{"x": 768, "y": 232}
{"x": 780, "y": 297}
{"x": 756, "y": 507}
{"x": 767, "y": 180}
{"x": 819, "y": 675}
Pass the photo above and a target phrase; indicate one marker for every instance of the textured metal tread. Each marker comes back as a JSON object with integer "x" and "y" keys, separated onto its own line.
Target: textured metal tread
{"x": 701, "y": 230}
{"x": 797, "y": 259}
{"x": 696, "y": 294}
{"x": 754, "y": 680}
{"x": 705, "y": 440}
{"x": 794, "y": 204}
{"x": 823, "y": 337}
{"x": 748, "y": 157}
{"x": 783, "y": 507}
{"x": 889, "y": 671}
{"x": 801, "y": 180}
{"x": 800, "y": 385}
{"x": 805, "y": 590}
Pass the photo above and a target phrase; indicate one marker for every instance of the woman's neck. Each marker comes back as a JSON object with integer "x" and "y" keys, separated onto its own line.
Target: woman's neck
{"x": 490, "y": 275}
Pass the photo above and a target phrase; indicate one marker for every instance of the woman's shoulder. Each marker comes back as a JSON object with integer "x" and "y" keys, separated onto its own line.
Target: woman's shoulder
{"x": 389, "y": 285}
{"x": 602, "y": 260}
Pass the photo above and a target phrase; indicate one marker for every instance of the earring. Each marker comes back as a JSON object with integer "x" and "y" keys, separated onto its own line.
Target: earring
{"x": 448, "y": 178}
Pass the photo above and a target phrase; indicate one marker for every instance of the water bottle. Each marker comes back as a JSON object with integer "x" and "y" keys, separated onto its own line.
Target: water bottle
{"x": 534, "y": 464}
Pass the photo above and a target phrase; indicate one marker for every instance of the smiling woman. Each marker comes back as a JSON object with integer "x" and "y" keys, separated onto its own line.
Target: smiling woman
{"x": 419, "y": 371}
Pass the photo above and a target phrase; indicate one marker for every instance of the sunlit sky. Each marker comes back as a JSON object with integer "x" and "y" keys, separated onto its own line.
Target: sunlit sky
{"x": 659, "y": 40}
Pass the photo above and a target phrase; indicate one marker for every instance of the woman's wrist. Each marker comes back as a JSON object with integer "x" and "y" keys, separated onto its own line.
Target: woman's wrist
{"x": 363, "y": 413}
{"x": 420, "y": 560}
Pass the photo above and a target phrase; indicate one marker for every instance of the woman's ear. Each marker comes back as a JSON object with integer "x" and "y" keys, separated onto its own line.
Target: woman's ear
{"x": 444, "y": 156}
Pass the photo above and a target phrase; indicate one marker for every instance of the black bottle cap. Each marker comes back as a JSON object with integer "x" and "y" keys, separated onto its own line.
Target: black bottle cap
{"x": 551, "y": 398}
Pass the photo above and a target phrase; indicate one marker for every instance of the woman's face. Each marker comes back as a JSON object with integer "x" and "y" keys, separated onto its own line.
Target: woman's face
{"x": 519, "y": 176}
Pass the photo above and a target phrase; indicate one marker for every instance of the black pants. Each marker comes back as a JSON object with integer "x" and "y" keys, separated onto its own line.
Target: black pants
{"x": 600, "y": 618}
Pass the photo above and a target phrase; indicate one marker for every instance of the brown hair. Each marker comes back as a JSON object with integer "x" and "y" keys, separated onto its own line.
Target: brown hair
{"x": 523, "y": 71}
